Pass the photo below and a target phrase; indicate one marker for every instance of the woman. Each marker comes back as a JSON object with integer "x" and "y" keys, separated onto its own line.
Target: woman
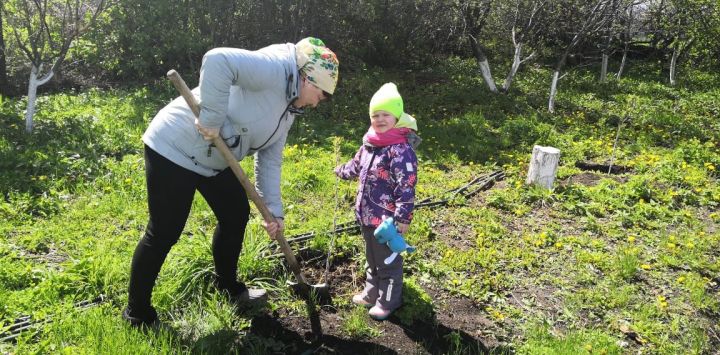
{"x": 250, "y": 99}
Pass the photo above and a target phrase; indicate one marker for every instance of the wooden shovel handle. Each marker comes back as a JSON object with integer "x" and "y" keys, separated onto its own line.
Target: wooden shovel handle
{"x": 230, "y": 159}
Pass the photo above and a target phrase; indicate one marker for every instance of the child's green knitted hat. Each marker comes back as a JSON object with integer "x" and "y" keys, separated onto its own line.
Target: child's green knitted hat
{"x": 387, "y": 98}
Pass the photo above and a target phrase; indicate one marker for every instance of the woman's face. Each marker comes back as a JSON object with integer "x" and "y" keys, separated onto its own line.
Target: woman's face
{"x": 310, "y": 95}
{"x": 382, "y": 121}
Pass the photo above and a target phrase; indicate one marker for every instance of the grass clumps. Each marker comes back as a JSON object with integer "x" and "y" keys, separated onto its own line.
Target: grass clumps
{"x": 356, "y": 324}
{"x": 417, "y": 304}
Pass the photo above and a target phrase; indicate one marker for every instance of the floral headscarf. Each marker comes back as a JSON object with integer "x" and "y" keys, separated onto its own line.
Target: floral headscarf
{"x": 318, "y": 63}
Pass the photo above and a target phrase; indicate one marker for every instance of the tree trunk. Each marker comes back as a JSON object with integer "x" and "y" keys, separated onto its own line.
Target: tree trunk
{"x": 483, "y": 63}
{"x": 31, "y": 97}
{"x": 4, "y": 85}
{"x": 543, "y": 166}
{"x": 553, "y": 91}
{"x": 514, "y": 68}
{"x": 594, "y": 19}
{"x": 673, "y": 65}
{"x": 32, "y": 94}
{"x": 603, "y": 69}
{"x": 556, "y": 77}
{"x": 609, "y": 35}
{"x": 485, "y": 71}
{"x": 622, "y": 62}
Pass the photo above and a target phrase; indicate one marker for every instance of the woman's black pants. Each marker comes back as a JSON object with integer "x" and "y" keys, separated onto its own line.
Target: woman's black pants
{"x": 171, "y": 189}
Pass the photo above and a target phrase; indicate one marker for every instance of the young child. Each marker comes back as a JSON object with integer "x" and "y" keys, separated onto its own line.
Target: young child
{"x": 387, "y": 167}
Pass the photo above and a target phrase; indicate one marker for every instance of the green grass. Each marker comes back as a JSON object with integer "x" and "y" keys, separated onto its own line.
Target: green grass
{"x": 543, "y": 341}
{"x": 636, "y": 253}
{"x": 356, "y": 324}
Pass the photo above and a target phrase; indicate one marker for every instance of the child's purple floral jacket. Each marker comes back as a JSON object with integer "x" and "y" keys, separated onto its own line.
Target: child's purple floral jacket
{"x": 387, "y": 182}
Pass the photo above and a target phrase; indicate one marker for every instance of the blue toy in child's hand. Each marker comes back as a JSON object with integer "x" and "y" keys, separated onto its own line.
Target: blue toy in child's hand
{"x": 388, "y": 234}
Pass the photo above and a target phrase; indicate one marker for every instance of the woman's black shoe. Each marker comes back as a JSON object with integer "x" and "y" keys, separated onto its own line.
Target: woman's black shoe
{"x": 137, "y": 319}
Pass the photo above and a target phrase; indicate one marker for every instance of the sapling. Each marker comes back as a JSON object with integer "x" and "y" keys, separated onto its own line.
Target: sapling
{"x": 617, "y": 136}
{"x": 337, "y": 141}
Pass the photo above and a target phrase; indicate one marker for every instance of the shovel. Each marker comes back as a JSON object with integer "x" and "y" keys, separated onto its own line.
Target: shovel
{"x": 310, "y": 293}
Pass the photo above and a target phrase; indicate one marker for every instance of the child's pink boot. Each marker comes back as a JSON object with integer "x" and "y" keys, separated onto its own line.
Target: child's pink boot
{"x": 379, "y": 313}
{"x": 360, "y": 301}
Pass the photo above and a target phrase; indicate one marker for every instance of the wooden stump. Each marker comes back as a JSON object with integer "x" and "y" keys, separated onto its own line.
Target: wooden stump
{"x": 543, "y": 166}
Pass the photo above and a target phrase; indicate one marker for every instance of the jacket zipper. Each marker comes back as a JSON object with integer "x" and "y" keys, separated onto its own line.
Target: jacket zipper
{"x": 276, "y": 128}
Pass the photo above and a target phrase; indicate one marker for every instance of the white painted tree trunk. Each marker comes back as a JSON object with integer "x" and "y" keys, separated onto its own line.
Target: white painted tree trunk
{"x": 514, "y": 68}
{"x": 32, "y": 94}
{"x": 603, "y": 68}
{"x": 553, "y": 91}
{"x": 485, "y": 71}
{"x": 31, "y": 97}
{"x": 543, "y": 166}
{"x": 673, "y": 65}
{"x": 622, "y": 63}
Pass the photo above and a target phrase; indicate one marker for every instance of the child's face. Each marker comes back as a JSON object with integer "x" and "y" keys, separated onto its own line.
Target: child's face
{"x": 382, "y": 121}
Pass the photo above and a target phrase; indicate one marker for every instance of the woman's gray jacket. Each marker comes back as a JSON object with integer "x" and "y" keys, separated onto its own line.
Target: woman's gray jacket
{"x": 247, "y": 94}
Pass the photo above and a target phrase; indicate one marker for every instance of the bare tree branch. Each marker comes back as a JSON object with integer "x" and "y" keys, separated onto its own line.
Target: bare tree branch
{"x": 532, "y": 55}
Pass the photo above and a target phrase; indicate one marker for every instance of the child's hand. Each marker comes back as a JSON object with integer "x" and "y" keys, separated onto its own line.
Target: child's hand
{"x": 402, "y": 227}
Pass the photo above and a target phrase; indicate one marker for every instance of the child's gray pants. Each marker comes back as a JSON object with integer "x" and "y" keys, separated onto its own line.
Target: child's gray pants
{"x": 383, "y": 283}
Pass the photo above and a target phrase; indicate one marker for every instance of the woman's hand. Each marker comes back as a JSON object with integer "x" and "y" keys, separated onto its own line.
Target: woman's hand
{"x": 402, "y": 227}
{"x": 274, "y": 227}
{"x": 207, "y": 133}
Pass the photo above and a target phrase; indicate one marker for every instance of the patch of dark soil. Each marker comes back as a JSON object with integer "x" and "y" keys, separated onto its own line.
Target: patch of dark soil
{"x": 602, "y": 168}
{"x": 715, "y": 338}
{"x": 586, "y": 179}
{"x": 292, "y": 332}
{"x": 454, "y": 235}
{"x": 466, "y": 317}
{"x": 590, "y": 179}
{"x": 711, "y": 226}
{"x": 438, "y": 337}
{"x": 344, "y": 279}
{"x": 342, "y": 272}
{"x": 458, "y": 326}
{"x": 529, "y": 297}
